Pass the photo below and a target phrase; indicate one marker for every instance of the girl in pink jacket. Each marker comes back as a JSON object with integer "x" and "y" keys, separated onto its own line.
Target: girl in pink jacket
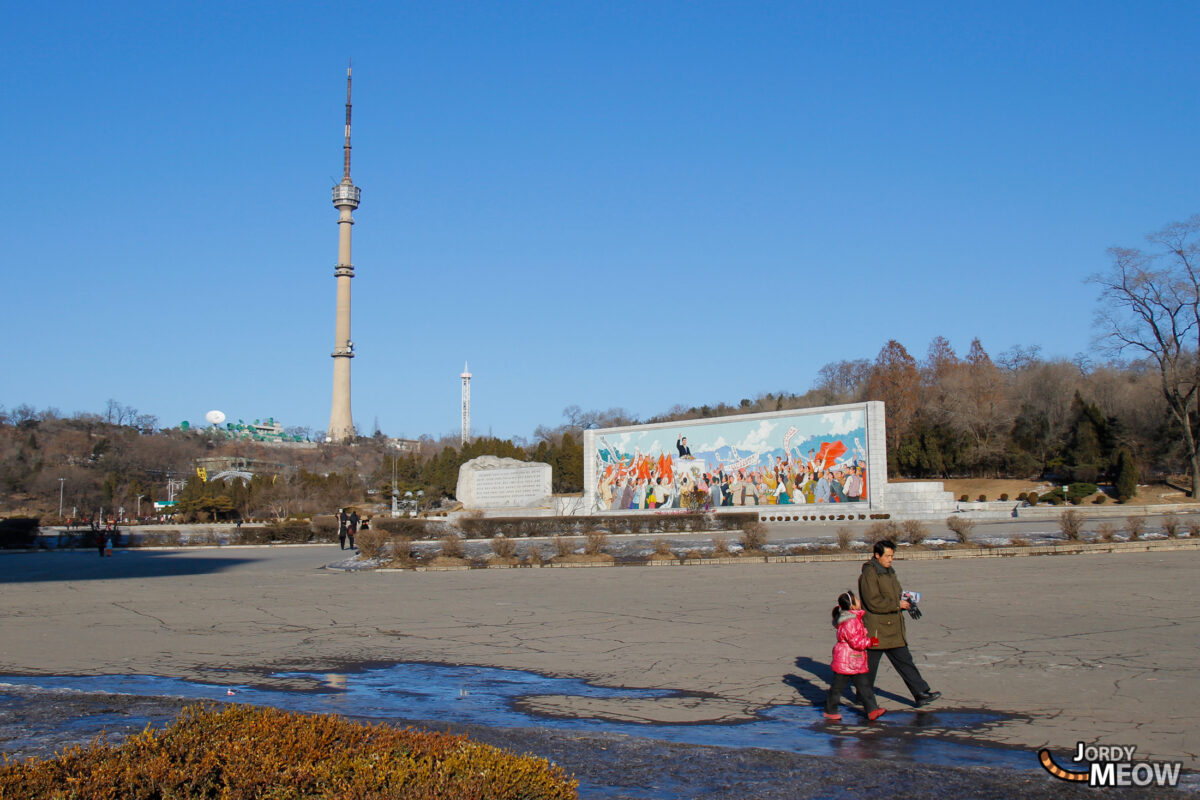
{"x": 850, "y": 658}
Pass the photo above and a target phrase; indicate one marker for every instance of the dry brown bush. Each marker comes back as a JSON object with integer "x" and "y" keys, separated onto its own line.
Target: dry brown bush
{"x": 1193, "y": 528}
{"x": 1135, "y": 527}
{"x": 248, "y": 751}
{"x": 1171, "y": 525}
{"x": 720, "y": 547}
{"x": 452, "y": 546}
{"x": 1106, "y": 531}
{"x": 754, "y": 536}
{"x": 663, "y": 548}
{"x": 594, "y": 542}
{"x": 884, "y": 529}
{"x": 845, "y": 537}
{"x": 1070, "y": 522}
{"x": 563, "y": 546}
{"x": 915, "y": 531}
{"x": 962, "y": 527}
{"x": 1018, "y": 541}
{"x": 534, "y": 557}
{"x": 402, "y": 549}
{"x": 503, "y": 547}
{"x": 370, "y": 542}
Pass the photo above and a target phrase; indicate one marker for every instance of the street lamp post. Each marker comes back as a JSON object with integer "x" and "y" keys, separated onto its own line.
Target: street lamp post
{"x": 395, "y": 492}
{"x": 60, "y": 496}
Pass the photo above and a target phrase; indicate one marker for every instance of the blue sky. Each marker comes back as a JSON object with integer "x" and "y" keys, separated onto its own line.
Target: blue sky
{"x": 601, "y": 204}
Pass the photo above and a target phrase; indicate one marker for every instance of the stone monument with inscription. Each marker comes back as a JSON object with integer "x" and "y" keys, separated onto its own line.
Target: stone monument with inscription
{"x": 492, "y": 482}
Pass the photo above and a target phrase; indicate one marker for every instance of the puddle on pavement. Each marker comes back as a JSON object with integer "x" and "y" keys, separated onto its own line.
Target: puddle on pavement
{"x": 494, "y": 697}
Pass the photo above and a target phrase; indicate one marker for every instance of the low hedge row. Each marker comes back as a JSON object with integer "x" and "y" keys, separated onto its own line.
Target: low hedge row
{"x": 512, "y": 527}
{"x": 241, "y": 752}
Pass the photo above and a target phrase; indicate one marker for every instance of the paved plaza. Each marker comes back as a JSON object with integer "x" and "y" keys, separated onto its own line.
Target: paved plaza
{"x": 1098, "y": 648}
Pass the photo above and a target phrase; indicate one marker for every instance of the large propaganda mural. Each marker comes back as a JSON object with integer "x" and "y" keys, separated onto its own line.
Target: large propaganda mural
{"x": 786, "y": 458}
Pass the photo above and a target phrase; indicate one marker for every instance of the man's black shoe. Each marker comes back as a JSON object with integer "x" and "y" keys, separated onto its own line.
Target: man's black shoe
{"x": 927, "y": 698}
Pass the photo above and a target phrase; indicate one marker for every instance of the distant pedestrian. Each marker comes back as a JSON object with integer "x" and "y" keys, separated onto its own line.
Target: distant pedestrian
{"x": 343, "y": 523}
{"x": 101, "y": 541}
{"x": 850, "y": 658}
{"x": 352, "y": 527}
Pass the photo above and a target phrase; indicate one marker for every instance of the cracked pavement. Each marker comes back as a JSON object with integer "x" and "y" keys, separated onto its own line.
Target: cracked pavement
{"x": 1094, "y": 648}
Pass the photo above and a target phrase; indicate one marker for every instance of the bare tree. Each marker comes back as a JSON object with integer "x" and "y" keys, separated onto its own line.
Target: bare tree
{"x": 1151, "y": 305}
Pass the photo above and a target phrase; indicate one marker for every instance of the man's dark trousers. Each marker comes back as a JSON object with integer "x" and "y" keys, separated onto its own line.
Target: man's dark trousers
{"x": 903, "y": 662}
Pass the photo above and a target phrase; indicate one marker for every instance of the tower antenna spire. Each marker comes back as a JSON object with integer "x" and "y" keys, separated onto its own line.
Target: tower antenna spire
{"x": 346, "y": 176}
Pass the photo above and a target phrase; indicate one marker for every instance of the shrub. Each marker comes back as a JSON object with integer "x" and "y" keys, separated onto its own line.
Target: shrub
{"x": 844, "y": 537}
{"x": 754, "y": 536}
{"x": 563, "y": 546}
{"x": 412, "y": 528}
{"x": 1193, "y": 528}
{"x": 962, "y": 528}
{"x": 594, "y": 542}
{"x": 370, "y": 542}
{"x": 720, "y": 547}
{"x": 174, "y": 538}
{"x": 1022, "y": 497}
{"x": 534, "y": 557}
{"x": 402, "y": 549}
{"x": 1032, "y": 498}
{"x": 983, "y": 498}
{"x": 1170, "y": 525}
{"x": 1018, "y": 541}
{"x": 242, "y": 751}
{"x": 295, "y": 531}
{"x": 915, "y": 531}
{"x": 1078, "y": 492}
{"x": 1127, "y": 476}
{"x": 662, "y": 548}
{"x": 503, "y": 548}
{"x": 1107, "y": 531}
{"x": 879, "y": 531}
{"x": 964, "y": 498}
{"x": 325, "y": 526}
{"x": 1070, "y": 522}
{"x": 1135, "y": 527}
{"x": 1101, "y": 499}
{"x": 452, "y": 546}
{"x": 1004, "y": 497}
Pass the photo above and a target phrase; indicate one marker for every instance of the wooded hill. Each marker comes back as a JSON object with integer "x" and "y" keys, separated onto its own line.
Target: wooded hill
{"x": 1017, "y": 415}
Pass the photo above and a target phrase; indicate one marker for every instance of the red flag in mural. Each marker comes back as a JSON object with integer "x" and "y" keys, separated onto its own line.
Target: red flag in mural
{"x": 829, "y": 453}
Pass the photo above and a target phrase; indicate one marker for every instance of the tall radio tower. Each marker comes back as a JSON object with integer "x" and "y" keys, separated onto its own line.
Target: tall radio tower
{"x": 345, "y": 199}
{"x": 466, "y": 404}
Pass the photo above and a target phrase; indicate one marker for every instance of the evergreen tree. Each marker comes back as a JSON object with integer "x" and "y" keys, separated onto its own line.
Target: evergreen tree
{"x": 1127, "y": 476}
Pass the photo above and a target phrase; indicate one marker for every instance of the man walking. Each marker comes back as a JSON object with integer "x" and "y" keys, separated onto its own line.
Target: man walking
{"x": 880, "y": 593}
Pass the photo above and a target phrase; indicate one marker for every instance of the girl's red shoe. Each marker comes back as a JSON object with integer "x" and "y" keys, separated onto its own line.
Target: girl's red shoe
{"x": 832, "y": 716}
{"x": 876, "y": 714}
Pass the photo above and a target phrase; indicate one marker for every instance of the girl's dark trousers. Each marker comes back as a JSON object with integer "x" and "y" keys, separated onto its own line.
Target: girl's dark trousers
{"x": 862, "y": 685}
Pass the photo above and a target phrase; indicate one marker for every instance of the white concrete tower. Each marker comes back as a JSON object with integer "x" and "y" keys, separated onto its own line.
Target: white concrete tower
{"x": 345, "y": 199}
{"x": 466, "y": 404}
